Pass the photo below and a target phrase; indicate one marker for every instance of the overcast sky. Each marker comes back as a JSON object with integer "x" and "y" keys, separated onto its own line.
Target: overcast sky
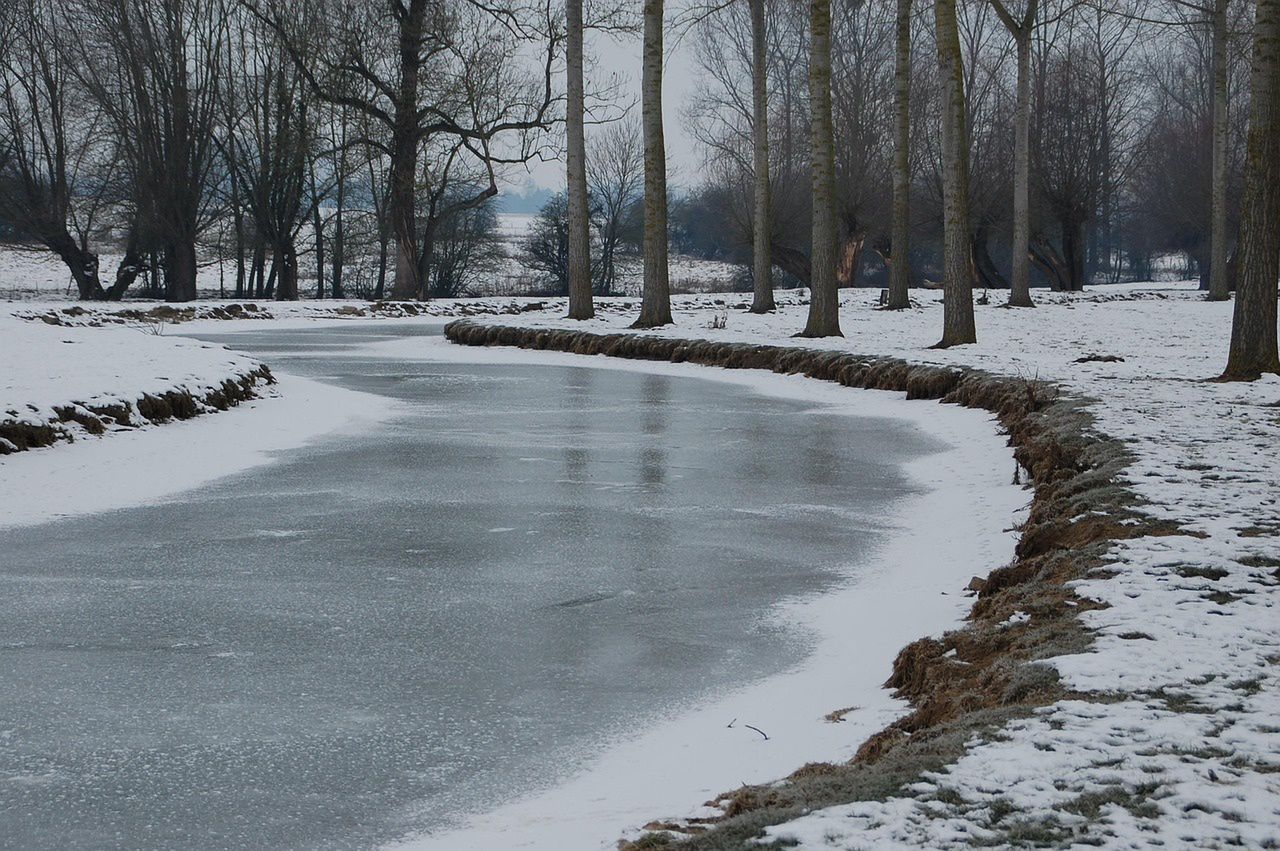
{"x": 622, "y": 57}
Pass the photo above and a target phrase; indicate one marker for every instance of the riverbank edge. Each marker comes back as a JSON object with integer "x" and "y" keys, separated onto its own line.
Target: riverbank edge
{"x": 970, "y": 681}
{"x": 179, "y": 403}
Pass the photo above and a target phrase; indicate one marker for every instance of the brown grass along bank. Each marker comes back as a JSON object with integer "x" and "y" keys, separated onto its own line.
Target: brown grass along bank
{"x": 973, "y": 679}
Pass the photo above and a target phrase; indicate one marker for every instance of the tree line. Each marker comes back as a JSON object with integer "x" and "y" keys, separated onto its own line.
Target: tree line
{"x": 162, "y": 125}
{"x": 1095, "y": 129}
{"x": 949, "y": 143}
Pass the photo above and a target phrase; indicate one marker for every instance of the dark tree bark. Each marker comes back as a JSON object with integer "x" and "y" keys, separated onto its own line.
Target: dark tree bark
{"x": 957, "y": 262}
{"x": 1253, "y": 330}
{"x": 655, "y": 305}
{"x": 762, "y": 223}
{"x": 580, "y": 302}
{"x": 900, "y": 246}
{"x": 824, "y": 296}
{"x": 1218, "y": 284}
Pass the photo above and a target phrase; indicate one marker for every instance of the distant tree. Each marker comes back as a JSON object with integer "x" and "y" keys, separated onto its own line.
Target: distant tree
{"x": 1021, "y": 28}
{"x": 615, "y": 174}
{"x": 271, "y": 147}
{"x": 158, "y": 80}
{"x": 428, "y": 76}
{"x": 465, "y": 249}
{"x": 547, "y": 244}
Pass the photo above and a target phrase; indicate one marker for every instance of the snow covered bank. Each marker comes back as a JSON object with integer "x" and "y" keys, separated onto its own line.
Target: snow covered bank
{"x": 149, "y": 465}
{"x": 1162, "y": 540}
{"x": 59, "y": 384}
{"x": 71, "y": 385}
{"x": 156, "y": 317}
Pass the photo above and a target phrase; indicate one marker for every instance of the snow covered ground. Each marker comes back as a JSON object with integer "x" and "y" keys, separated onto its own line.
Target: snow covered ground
{"x": 1170, "y": 738}
{"x": 47, "y": 369}
{"x": 48, "y": 373}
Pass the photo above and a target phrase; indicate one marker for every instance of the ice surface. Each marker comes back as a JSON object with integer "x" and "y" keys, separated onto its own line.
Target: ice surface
{"x": 345, "y": 646}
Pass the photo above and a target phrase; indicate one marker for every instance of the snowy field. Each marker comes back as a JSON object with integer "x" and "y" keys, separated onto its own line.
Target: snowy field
{"x": 1174, "y": 706}
{"x": 1173, "y": 735}
{"x": 35, "y": 275}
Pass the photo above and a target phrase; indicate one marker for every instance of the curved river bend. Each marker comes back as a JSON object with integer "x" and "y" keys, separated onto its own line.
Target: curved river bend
{"x": 376, "y": 635}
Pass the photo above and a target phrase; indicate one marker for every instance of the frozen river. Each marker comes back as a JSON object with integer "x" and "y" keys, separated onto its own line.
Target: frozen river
{"x": 377, "y": 635}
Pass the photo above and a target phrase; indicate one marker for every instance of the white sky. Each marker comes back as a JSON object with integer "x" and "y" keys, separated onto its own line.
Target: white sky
{"x": 609, "y": 56}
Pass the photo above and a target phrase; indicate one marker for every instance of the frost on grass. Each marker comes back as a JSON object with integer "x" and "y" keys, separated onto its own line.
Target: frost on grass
{"x": 1168, "y": 734}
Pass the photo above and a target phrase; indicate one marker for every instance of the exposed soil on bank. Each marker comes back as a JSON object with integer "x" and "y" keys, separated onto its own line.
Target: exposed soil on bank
{"x": 76, "y": 418}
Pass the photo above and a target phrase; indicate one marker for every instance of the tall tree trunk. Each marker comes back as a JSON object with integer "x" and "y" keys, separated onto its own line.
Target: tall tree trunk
{"x": 404, "y": 160}
{"x": 655, "y": 306}
{"x": 762, "y": 231}
{"x": 131, "y": 266}
{"x": 824, "y": 295}
{"x": 180, "y": 271}
{"x": 286, "y": 262}
{"x": 1219, "y": 285}
{"x": 1253, "y": 330}
{"x": 317, "y": 225}
{"x": 1020, "y": 285}
{"x": 1073, "y": 250}
{"x": 900, "y": 242}
{"x": 580, "y": 302}
{"x": 237, "y": 217}
{"x": 380, "y": 288}
{"x": 258, "y": 274}
{"x": 957, "y": 262}
{"x": 337, "y": 250}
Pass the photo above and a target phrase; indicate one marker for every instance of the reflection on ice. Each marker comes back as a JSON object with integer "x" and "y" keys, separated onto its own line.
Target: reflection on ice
{"x": 374, "y": 636}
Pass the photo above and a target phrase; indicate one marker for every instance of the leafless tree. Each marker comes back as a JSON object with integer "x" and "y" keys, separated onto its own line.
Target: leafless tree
{"x": 158, "y": 82}
{"x": 580, "y": 305}
{"x": 824, "y": 297}
{"x": 615, "y": 175}
{"x": 57, "y": 166}
{"x": 655, "y": 305}
{"x": 900, "y": 242}
{"x": 1253, "y": 330}
{"x": 957, "y": 264}
{"x": 429, "y": 70}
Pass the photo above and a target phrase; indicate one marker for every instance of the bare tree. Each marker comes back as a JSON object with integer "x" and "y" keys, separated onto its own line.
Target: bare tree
{"x": 1021, "y": 29}
{"x": 615, "y": 175}
{"x": 1219, "y": 283}
{"x": 1253, "y": 330}
{"x": 158, "y": 81}
{"x": 824, "y": 297}
{"x": 900, "y": 241}
{"x": 580, "y": 305}
{"x": 655, "y": 304}
{"x": 428, "y": 70}
{"x": 762, "y": 229}
{"x": 271, "y": 149}
{"x": 57, "y": 169}
{"x": 957, "y": 263}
